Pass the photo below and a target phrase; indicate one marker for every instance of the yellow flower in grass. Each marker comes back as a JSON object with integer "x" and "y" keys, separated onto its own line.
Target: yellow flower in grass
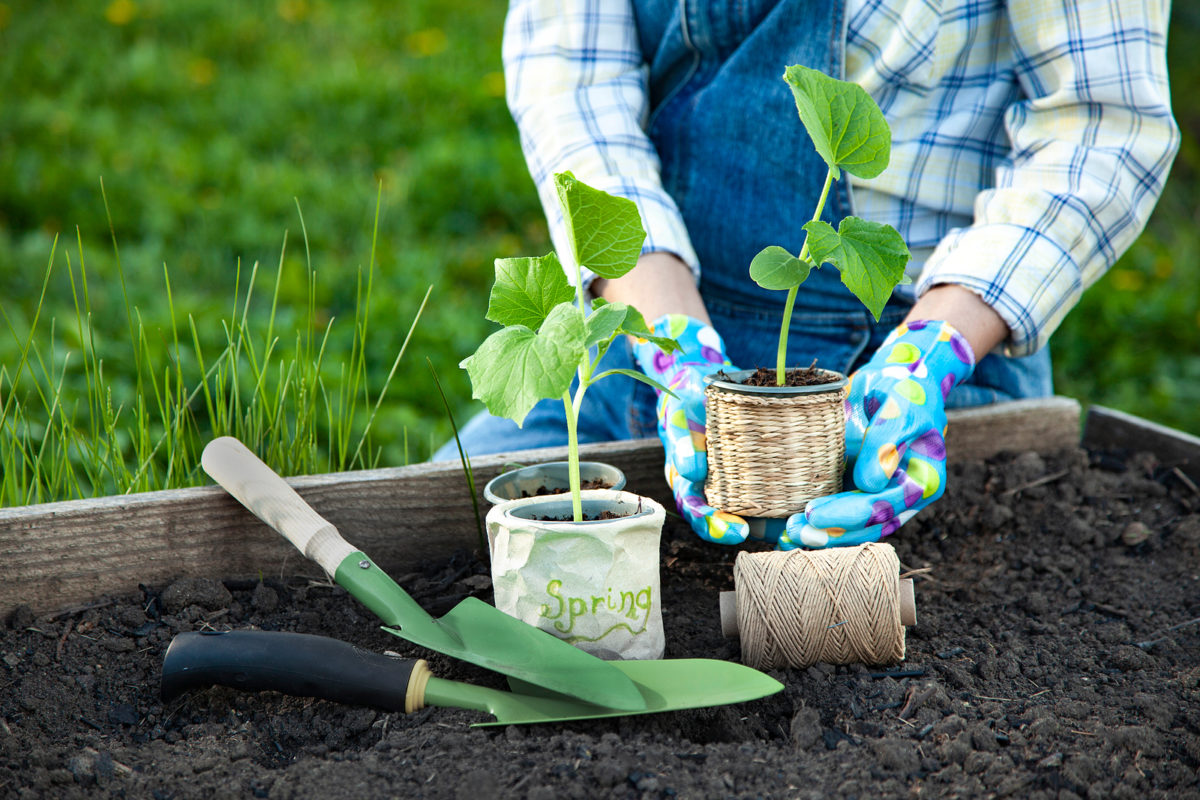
{"x": 493, "y": 83}
{"x": 120, "y": 12}
{"x": 201, "y": 71}
{"x": 292, "y": 10}
{"x": 428, "y": 42}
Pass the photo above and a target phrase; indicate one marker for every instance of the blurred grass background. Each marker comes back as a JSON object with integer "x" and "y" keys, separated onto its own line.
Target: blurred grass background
{"x": 211, "y": 123}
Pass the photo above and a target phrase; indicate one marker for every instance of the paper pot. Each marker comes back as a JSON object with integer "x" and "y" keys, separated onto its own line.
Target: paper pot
{"x": 771, "y": 449}
{"x": 593, "y": 583}
{"x": 552, "y": 476}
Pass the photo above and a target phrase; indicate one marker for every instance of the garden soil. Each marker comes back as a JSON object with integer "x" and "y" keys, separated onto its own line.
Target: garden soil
{"x": 1056, "y": 655}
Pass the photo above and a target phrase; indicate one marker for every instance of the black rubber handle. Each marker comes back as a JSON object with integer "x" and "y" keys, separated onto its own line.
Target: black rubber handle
{"x": 294, "y": 663}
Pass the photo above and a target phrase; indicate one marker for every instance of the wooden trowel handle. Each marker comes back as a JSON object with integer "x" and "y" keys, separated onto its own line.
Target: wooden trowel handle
{"x": 269, "y": 497}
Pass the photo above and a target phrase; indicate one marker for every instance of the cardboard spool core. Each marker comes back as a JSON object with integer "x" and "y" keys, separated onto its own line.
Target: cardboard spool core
{"x": 906, "y": 594}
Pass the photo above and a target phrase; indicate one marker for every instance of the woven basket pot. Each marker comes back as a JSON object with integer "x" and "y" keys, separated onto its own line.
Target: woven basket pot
{"x": 771, "y": 449}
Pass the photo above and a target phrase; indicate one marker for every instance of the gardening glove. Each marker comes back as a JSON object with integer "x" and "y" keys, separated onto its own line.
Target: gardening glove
{"x": 681, "y": 419}
{"x": 895, "y": 429}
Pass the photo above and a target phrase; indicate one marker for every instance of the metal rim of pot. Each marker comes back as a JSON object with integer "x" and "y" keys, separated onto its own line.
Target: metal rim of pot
{"x": 732, "y": 385}
{"x": 556, "y": 472}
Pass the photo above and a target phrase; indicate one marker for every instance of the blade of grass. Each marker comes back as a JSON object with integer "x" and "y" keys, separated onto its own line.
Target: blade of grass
{"x": 391, "y": 373}
{"x": 465, "y": 459}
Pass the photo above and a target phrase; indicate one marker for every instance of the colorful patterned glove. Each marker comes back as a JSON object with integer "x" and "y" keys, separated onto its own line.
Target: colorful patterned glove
{"x": 895, "y": 429}
{"x": 681, "y": 419}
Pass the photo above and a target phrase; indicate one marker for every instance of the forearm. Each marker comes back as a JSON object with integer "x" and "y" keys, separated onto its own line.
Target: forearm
{"x": 1092, "y": 140}
{"x": 660, "y": 284}
{"x": 576, "y": 87}
{"x": 978, "y": 322}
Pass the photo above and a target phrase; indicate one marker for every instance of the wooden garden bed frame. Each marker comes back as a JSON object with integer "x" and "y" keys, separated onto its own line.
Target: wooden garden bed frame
{"x": 57, "y": 556}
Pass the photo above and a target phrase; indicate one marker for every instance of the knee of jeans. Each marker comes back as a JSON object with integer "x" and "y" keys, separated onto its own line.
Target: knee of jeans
{"x": 447, "y": 452}
{"x": 643, "y": 419}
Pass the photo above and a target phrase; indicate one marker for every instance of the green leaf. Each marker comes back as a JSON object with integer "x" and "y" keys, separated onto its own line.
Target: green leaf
{"x": 870, "y": 256}
{"x": 609, "y": 319}
{"x": 515, "y": 367}
{"x": 845, "y": 124}
{"x": 603, "y": 322}
{"x": 526, "y": 289}
{"x": 605, "y": 231}
{"x": 637, "y": 376}
{"x": 776, "y": 268}
{"x": 635, "y": 325}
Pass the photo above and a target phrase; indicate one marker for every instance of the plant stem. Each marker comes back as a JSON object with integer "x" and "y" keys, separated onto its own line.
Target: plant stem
{"x": 573, "y": 457}
{"x": 781, "y": 354}
{"x": 571, "y": 405}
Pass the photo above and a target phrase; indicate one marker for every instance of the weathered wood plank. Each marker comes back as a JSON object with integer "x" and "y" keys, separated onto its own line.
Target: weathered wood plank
{"x": 1043, "y": 425}
{"x": 57, "y": 554}
{"x": 1109, "y": 429}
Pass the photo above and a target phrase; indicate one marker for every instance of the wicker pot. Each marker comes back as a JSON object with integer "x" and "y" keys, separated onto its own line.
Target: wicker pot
{"x": 771, "y": 449}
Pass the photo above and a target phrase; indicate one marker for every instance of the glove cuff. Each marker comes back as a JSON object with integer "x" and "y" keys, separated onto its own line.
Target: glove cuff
{"x": 699, "y": 344}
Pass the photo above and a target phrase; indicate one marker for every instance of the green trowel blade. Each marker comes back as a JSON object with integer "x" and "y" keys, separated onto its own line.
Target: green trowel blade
{"x": 483, "y": 634}
{"x": 669, "y": 685}
{"x": 665, "y": 685}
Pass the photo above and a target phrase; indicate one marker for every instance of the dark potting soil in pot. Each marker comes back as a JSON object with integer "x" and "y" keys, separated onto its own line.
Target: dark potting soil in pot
{"x": 1057, "y": 654}
{"x": 542, "y": 491}
{"x": 586, "y": 517}
{"x": 797, "y": 376}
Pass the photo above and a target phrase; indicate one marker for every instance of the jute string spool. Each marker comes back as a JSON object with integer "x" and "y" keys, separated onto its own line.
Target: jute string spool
{"x": 768, "y": 455}
{"x": 845, "y": 605}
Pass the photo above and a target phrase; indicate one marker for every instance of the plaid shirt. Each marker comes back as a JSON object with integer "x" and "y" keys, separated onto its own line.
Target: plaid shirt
{"x": 1025, "y": 197}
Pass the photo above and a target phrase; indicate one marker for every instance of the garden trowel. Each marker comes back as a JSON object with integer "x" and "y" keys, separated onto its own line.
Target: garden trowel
{"x": 317, "y": 666}
{"x": 472, "y": 631}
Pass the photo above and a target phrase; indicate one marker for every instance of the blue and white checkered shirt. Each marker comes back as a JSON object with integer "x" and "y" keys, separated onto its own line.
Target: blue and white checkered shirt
{"x": 1026, "y": 203}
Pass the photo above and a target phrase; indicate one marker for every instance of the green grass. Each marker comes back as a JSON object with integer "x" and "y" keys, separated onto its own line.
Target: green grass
{"x": 222, "y": 130}
{"x": 211, "y": 124}
{"x": 297, "y": 391}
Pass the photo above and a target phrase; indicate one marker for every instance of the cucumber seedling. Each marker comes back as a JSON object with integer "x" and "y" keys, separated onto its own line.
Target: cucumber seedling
{"x": 850, "y": 133}
{"x": 551, "y": 332}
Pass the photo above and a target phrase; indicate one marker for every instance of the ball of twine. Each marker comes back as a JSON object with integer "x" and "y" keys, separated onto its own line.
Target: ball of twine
{"x": 836, "y": 606}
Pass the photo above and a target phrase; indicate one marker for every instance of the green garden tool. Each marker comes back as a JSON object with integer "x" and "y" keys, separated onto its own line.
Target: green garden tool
{"x": 317, "y": 666}
{"x": 472, "y": 631}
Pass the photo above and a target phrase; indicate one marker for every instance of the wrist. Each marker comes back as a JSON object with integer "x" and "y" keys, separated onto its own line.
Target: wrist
{"x": 660, "y": 284}
{"x": 973, "y": 319}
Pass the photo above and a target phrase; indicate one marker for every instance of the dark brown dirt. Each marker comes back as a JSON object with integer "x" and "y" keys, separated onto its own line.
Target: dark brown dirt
{"x": 797, "y": 376}
{"x": 594, "y": 483}
{"x": 586, "y": 517}
{"x": 1057, "y": 655}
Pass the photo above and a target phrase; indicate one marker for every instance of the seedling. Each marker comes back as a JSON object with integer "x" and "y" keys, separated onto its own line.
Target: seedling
{"x": 551, "y": 333}
{"x": 850, "y": 133}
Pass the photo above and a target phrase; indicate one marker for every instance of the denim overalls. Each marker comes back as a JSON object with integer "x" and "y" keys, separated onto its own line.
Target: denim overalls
{"x": 737, "y": 161}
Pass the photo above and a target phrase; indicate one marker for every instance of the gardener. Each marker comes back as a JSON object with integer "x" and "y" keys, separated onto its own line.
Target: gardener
{"x": 1030, "y": 143}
